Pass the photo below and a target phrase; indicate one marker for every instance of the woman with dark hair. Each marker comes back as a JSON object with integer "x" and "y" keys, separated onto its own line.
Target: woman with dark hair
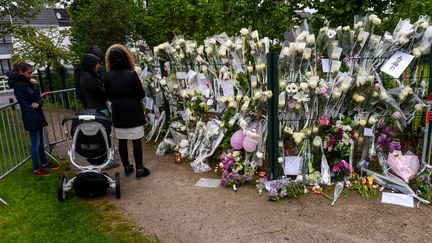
{"x": 92, "y": 87}
{"x": 125, "y": 92}
{"x": 29, "y": 98}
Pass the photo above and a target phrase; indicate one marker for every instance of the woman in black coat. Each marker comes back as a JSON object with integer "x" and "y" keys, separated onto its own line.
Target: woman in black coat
{"x": 92, "y": 87}
{"x": 29, "y": 98}
{"x": 124, "y": 90}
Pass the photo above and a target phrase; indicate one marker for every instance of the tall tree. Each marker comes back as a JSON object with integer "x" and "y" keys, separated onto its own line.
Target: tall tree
{"x": 102, "y": 22}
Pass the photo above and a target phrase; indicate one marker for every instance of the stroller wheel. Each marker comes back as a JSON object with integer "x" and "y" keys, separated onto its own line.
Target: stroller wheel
{"x": 117, "y": 185}
{"x": 61, "y": 193}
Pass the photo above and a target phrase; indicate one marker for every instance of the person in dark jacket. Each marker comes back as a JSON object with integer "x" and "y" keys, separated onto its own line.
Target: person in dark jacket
{"x": 29, "y": 98}
{"x": 97, "y": 51}
{"x": 92, "y": 88}
{"x": 125, "y": 92}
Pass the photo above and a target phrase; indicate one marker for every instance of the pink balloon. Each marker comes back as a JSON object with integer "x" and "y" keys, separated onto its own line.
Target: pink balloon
{"x": 249, "y": 144}
{"x": 237, "y": 139}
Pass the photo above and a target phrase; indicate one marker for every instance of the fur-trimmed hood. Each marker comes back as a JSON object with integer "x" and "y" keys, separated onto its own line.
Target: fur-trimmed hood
{"x": 119, "y": 57}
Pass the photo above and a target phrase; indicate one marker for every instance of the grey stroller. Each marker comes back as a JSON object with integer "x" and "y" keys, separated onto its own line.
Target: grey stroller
{"x": 91, "y": 138}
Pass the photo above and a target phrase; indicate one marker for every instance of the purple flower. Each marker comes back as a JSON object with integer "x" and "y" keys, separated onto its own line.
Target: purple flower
{"x": 388, "y": 131}
{"x": 381, "y": 125}
{"x": 383, "y": 141}
{"x": 394, "y": 146}
{"x": 224, "y": 182}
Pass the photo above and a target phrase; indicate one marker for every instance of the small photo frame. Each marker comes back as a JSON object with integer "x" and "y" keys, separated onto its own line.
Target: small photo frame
{"x": 397, "y": 64}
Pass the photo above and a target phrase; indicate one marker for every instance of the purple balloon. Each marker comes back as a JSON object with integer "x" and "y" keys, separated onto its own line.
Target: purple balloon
{"x": 249, "y": 145}
{"x": 237, "y": 139}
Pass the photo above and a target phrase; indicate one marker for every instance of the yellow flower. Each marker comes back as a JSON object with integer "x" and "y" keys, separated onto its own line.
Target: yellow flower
{"x": 370, "y": 180}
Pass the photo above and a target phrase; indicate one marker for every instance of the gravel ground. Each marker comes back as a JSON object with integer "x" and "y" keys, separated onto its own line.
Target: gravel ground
{"x": 168, "y": 206}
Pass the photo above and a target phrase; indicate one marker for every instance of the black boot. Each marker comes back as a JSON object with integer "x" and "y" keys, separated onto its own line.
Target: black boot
{"x": 142, "y": 172}
{"x": 128, "y": 169}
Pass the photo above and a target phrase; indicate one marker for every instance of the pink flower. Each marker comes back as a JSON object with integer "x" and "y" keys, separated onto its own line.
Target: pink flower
{"x": 323, "y": 121}
{"x": 335, "y": 168}
{"x": 291, "y": 105}
{"x": 377, "y": 86}
{"x": 363, "y": 180}
{"x": 323, "y": 90}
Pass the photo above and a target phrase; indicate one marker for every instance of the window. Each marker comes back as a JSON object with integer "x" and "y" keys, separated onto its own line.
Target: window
{"x": 6, "y": 39}
{"x": 5, "y": 65}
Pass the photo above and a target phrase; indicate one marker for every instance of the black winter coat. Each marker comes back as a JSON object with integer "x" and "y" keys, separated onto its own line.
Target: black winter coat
{"x": 27, "y": 93}
{"x": 124, "y": 90}
{"x": 92, "y": 87}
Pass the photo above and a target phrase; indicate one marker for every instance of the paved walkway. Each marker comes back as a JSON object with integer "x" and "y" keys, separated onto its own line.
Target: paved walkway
{"x": 167, "y": 205}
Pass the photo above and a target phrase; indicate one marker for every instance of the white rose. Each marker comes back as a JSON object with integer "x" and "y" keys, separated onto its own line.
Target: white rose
{"x": 339, "y": 28}
{"x": 344, "y": 87}
{"x": 260, "y": 155}
{"x": 375, "y": 94}
{"x": 370, "y": 78}
{"x": 310, "y": 39}
{"x": 317, "y": 141}
{"x": 280, "y": 160}
{"x": 346, "y": 28}
{"x": 257, "y": 95}
{"x": 297, "y": 106}
{"x": 268, "y": 93}
{"x": 254, "y": 84}
{"x": 238, "y": 98}
{"x": 229, "y": 43}
{"x": 204, "y": 69}
{"x": 212, "y": 41}
{"x": 184, "y": 94}
{"x": 223, "y": 99}
{"x": 313, "y": 83}
{"x": 306, "y": 55}
{"x": 372, "y": 17}
{"x": 221, "y": 124}
{"x": 360, "y": 24}
{"x": 419, "y": 107}
{"x": 180, "y": 41}
{"x": 250, "y": 69}
{"x": 372, "y": 120}
{"x": 355, "y": 26}
{"x": 183, "y": 128}
{"x": 244, "y": 31}
{"x": 360, "y": 98}
{"x": 254, "y": 34}
{"x": 243, "y": 123}
{"x": 285, "y": 52}
{"x": 210, "y": 102}
{"x": 402, "y": 96}
{"x": 424, "y": 25}
{"x": 336, "y": 93}
{"x": 282, "y": 84}
{"x": 200, "y": 50}
{"x": 230, "y": 99}
{"x": 362, "y": 122}
{"x": 222, "y": 52}
{"x": 209, "y": 50}
{"x": 303, "y": 85}
{"x": 244, "y": 107}
{"x": 416, "y": 52}
{"x": 232, "y": 104}
{"x": 403, "y": 40}
{"x": 315, "y": 129}
{"x": 308, "y": 74}
{"x": 376, "y": 21}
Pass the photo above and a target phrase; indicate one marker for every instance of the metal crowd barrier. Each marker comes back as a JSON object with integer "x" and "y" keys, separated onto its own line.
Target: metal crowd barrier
{"x": 57, "y": 105}
{"x": 14, "y": 139}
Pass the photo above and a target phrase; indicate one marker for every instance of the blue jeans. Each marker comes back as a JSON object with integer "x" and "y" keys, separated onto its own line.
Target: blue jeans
{"x": 37, "y": 148}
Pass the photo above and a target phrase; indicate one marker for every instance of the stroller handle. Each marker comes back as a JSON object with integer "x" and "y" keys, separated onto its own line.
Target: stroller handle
{"x": 86, "y": 118}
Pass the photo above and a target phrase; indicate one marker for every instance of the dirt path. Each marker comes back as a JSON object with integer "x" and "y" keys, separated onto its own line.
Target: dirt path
{"x": 167, "y": 204}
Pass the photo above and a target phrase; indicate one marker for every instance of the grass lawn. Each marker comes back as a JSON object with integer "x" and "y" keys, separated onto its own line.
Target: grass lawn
{"x": 35, "y": 215}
